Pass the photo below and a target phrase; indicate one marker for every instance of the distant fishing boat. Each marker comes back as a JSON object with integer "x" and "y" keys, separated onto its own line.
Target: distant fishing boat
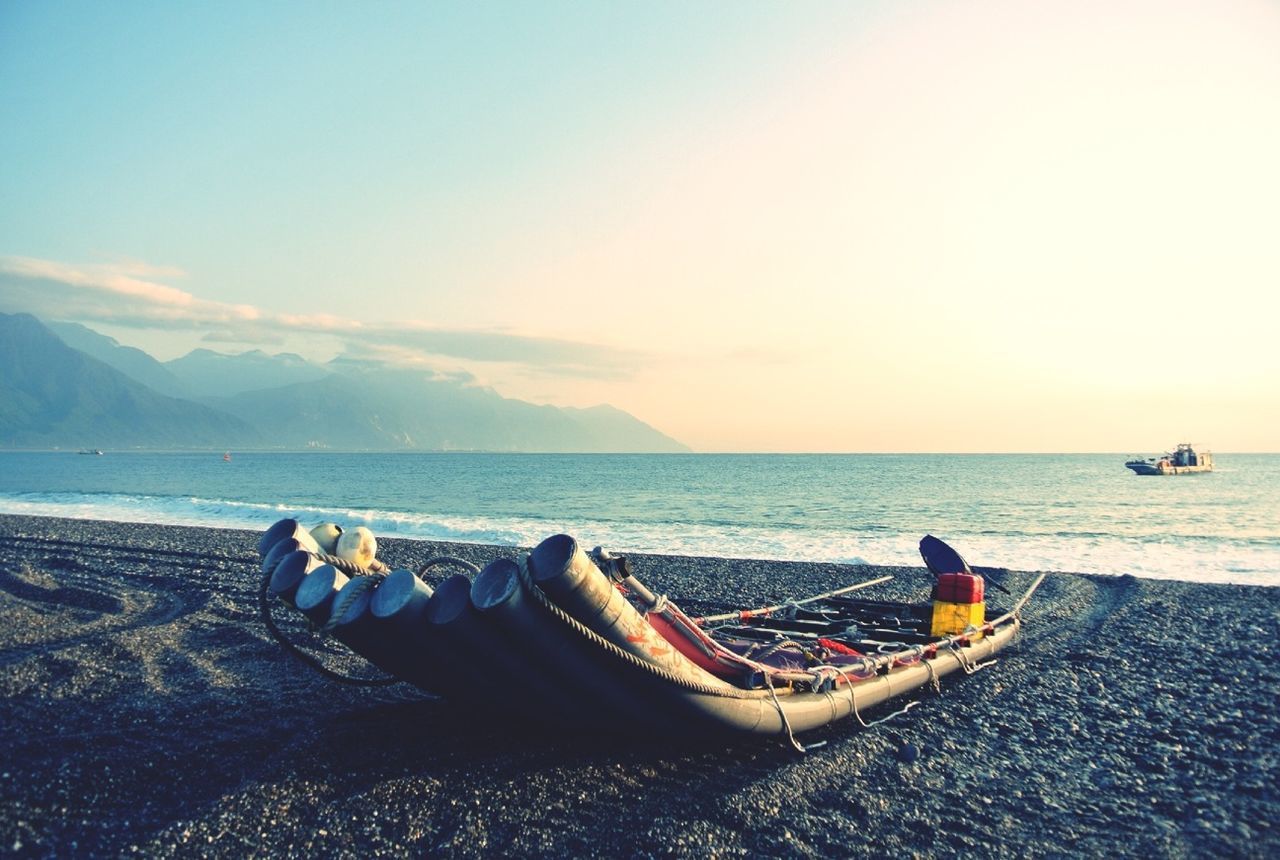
{"x": 226, "y": 457}
{"x": 95, "y": 451}
{"x": 1184, "y": 460}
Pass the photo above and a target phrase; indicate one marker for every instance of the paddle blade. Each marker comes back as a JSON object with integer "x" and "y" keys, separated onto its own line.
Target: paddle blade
{"x": 991, "y": 577}
{"x": 940, "y": 558}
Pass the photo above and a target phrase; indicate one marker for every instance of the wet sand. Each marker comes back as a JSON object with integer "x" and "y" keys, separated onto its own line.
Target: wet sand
{"x": 146, "y": 710}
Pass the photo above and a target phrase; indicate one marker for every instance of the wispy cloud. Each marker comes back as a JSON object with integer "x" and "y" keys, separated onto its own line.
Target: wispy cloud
{"x": 110, "y": 293}
{"x": 131, "y": 294}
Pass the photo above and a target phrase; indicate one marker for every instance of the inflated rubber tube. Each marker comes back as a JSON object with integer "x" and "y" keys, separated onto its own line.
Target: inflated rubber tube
{"x": 287, "y": 528}
{"x": 290, "y": 572}
{"x": 314, "y": 596}
{"x": 805, "y": 711}
{"x": 569, "y": 577}
{"x": 562, "y": 570}
{"x": 588, "y": 678}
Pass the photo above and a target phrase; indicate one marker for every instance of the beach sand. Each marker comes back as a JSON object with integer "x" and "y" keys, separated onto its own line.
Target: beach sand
{"x": 146, "y": 710}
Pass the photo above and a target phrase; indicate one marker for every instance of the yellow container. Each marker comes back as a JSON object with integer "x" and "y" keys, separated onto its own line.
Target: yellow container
{"x": 952, "y": 618}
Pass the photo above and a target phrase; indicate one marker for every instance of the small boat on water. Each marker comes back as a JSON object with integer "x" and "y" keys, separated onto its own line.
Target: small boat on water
{"x": 97, "y": 452}
{"x": 572, "y": 638}
{"x": 1183, "y": 460}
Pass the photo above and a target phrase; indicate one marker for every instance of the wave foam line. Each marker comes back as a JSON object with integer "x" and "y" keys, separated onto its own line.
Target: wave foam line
{"x": 1244, "y": 562}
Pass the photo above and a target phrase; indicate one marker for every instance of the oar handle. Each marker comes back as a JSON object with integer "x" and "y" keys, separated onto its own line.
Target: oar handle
{"x": 765, "y": 610}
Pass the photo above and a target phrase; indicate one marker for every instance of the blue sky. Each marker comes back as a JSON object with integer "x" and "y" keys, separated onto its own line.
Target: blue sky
{"x": 280, "y": 127}
{"x": 757, "y": 226}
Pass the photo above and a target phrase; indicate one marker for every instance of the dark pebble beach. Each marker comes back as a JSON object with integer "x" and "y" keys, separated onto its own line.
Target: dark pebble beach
{"x": 148, "y": 711}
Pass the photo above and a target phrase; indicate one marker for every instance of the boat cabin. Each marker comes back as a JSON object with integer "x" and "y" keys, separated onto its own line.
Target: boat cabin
{"x": 1185, "y": 455}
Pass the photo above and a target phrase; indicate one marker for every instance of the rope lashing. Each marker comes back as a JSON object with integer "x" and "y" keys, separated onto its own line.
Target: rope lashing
{"x": 933, "y": 677}
{"x": 968, "y": 666}
{"x": 539, "y": 597}
{"x": 350, "y": 594}
{"x": 264, "y": 608}
{"x": 785, "y": 644}
{"x": 853, "y": 703}
{"x": 447, "y": 559}
{"x": 374, "y": 574}
{"x": 782, "y": 714}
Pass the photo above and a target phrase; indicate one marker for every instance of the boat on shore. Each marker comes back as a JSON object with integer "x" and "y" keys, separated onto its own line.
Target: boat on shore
{"x": 570, "y": 638}
{"x": 1183, "y": 460}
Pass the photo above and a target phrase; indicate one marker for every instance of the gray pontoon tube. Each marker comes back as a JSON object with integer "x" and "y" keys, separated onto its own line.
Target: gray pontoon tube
{"x": 586, "y": 594}
{"x": 564, "y": 572}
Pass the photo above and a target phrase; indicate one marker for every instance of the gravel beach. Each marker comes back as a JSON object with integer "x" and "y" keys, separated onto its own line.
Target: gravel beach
{"x": 147, "y": 711}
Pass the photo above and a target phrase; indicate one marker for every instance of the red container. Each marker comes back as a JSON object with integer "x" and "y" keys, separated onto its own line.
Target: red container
{"x": 959, "y": 588}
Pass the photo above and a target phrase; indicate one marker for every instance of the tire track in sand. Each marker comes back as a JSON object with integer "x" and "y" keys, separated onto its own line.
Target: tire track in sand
{"x": 69, "y": 592}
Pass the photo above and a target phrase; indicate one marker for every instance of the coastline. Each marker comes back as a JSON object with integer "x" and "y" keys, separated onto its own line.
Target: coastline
{"x": 146, "y": 709}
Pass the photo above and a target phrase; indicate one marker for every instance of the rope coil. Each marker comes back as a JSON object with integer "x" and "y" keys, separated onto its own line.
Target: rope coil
{"x": 373, "y": 574}
{"x": 264, "y": 607}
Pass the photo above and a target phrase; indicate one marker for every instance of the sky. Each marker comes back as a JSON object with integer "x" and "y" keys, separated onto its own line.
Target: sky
{"x": 894, "y": 226}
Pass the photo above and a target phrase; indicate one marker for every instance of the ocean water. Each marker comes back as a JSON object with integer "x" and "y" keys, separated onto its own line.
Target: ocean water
{"x": 1071, "y": 512}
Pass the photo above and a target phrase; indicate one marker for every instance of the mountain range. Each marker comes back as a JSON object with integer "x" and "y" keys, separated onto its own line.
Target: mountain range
{"x": 65, "y": 385}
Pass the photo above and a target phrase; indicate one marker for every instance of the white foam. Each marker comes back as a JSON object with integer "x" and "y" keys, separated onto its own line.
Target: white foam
{"x": 1245, "y": 561}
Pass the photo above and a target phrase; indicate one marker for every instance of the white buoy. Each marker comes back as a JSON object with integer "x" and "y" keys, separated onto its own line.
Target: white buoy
{"x": 326, "y": 535}
{"x": 357, "y": 545}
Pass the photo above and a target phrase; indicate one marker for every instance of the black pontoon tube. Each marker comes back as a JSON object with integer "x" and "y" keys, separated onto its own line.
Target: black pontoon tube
{"x": 279, "y": 551}
{"x": 476, "y": 664}
{"x": 315, "y": 594}
{"x": 587, "y": 676}
{"x": 384, "y": 643}
{"x": 402, "y": 597}
{"x": 352, "y": 624}
{"x": 397, "y": 613}
{"x": 290, "y": 572}
{"x": 287, "y": 528}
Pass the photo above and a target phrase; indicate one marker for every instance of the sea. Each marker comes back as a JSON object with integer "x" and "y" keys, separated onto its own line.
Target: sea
{"x": 1058, "y": 512}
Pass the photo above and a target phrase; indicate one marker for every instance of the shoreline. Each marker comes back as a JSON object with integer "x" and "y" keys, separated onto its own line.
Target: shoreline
{"x": 146, "y": 709}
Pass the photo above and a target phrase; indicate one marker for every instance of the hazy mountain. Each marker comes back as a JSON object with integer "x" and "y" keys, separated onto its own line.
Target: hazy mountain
{"x": 379, "y": 408}
{"x": 214, "y": 374}
{"x": 132, "y": 362}
{"x": 53, "y": 395}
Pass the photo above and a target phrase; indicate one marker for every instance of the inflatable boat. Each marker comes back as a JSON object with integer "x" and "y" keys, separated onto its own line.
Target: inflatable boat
{"x": 571, "y": 637}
